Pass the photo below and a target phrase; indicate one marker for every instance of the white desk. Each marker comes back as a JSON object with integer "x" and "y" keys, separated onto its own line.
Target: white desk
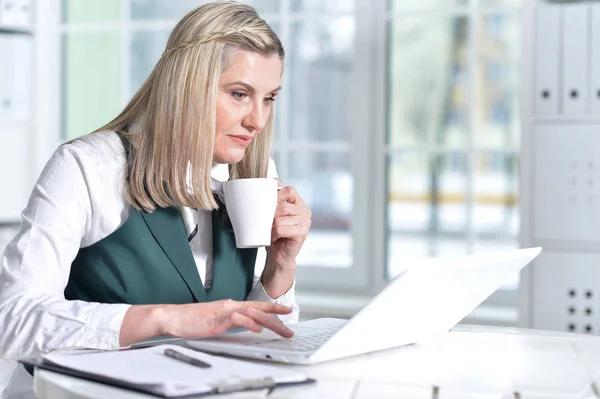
{"x": 468, "y": 362}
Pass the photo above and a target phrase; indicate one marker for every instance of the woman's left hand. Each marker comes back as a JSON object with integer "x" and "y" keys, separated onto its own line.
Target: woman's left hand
{"x": 290, "y": 228}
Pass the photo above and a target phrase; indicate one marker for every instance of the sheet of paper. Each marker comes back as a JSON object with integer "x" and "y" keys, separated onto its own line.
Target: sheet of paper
{"x": 150, "y": 367}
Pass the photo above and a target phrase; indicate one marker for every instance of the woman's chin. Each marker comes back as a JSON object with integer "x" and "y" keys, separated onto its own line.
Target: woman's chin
{"x": 232, "y": 156}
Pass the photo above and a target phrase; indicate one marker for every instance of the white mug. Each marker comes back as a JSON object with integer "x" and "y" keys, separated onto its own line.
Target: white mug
{"x": 251, "y": 205}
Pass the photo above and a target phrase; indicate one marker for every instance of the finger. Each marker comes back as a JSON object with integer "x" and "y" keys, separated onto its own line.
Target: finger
{"x": 298, "y": 232}
{"x": 288, "y": 221}
{"x": 289, "y": 194}
{"x": 267, "y": 307}
{"x": 291, "y": 209}
{"x": 241, "y": 320}
{"x": 269, "y": 322}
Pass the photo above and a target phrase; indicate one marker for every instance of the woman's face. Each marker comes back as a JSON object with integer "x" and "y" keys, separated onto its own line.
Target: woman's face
{"x": 247, "y": 89}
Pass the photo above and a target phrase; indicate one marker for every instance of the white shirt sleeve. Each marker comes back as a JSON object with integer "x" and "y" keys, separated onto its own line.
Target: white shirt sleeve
{"x": 258, "y": 292}
{"x": 34, "y": 314}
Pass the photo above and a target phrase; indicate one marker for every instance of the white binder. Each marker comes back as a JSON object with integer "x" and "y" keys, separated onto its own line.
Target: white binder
{"x": 6, "y": 85}
{"x": 14, "y": 169}
{"x": 575, "y": 55}
{"x": 23, "y": 77}
{"x": 24, "y": 15}
{"x": 15, "y": 77}
{"x": 16, "y": 13}
{"x": 15, "y": 124}
{"x": 547, "y": 57}
{"x": 595, "y": 53}
{"x": 7, "y": 12}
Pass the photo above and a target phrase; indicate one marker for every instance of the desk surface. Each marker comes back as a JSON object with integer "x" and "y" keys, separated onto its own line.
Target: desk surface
{"x": 469, "y": 361}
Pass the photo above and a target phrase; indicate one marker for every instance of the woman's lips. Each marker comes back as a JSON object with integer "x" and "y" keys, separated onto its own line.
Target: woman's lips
{"x": 241, "y": 140}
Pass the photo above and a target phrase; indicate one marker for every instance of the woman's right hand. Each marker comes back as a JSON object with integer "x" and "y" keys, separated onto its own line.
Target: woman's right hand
{"x": 197, "y": 320}
{"x": 205, "y": 319}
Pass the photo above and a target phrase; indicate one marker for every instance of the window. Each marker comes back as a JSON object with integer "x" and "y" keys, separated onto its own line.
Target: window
{"x": 398, "y": 123}
{"x": 453, "y": 129}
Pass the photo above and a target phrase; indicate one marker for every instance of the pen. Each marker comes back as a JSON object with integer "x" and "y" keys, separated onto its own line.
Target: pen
{"x": 186, "y": 359}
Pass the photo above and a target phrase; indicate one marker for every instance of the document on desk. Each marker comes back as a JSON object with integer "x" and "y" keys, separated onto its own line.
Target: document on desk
{"x": 150, "y": 370}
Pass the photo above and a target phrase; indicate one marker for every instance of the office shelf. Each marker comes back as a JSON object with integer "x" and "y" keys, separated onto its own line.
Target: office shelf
{"x": 15, "y": 29}
{"x": 566, "y": 119}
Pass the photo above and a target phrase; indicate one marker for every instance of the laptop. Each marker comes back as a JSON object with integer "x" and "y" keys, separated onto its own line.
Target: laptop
{"x": 427, "y": 299}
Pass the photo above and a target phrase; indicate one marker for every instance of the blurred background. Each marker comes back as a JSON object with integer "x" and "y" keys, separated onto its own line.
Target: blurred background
{"x": 399, "y": 123}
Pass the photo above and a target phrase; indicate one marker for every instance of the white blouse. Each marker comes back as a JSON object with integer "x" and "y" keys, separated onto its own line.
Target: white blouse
{"x": 77, "y": 201}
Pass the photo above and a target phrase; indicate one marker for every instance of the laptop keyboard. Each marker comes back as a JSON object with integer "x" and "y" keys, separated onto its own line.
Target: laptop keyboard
{"x": 304, "y": 341}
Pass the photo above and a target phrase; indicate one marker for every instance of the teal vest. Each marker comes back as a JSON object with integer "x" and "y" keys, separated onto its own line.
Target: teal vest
{"x": 148, "y": 260}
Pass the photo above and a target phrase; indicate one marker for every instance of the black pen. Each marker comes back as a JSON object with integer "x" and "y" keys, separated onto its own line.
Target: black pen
{"x": 186, "y": 359}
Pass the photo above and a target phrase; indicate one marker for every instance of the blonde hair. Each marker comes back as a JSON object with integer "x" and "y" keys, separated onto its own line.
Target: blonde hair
{"x": 170, "y": 121}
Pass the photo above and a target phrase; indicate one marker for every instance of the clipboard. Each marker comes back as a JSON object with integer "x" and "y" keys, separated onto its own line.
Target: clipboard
{"x": 158, "y": 388}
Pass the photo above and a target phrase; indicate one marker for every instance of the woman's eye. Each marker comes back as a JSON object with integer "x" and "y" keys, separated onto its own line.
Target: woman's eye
{"x": 269, "y": 100}
{"x": 239, "y": 95}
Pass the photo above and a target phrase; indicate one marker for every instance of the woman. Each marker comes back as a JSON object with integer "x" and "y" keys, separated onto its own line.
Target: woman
{"x": 124, "y": 236}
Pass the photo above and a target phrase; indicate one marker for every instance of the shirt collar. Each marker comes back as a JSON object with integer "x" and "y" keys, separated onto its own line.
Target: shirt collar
{"x": 219, "y": 172}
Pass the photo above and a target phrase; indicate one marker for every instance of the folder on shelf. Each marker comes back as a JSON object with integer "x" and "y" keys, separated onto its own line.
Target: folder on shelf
{"x": 547, "y": 57}
{"x": 595, "y": 86}
{"x": 15, "y": 77}
{"x": 575, "y": 52}
{"x": 149, "y": 370}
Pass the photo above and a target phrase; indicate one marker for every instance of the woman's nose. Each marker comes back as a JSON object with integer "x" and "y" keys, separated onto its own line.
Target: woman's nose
{"x": 256, "y": 118}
